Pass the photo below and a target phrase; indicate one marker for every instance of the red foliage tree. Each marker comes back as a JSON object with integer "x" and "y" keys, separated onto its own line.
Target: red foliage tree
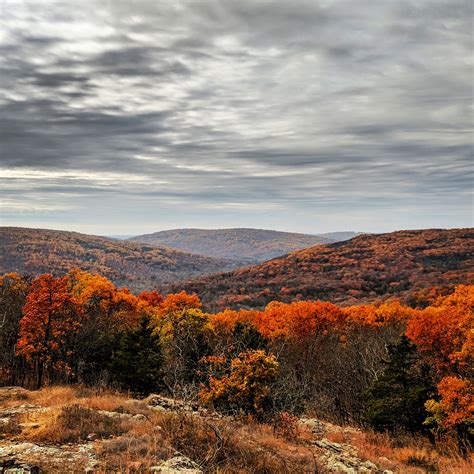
{"x": 51, "y": 318}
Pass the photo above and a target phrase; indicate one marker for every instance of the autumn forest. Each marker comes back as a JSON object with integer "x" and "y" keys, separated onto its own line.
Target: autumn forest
{"x": 389, "y": 366}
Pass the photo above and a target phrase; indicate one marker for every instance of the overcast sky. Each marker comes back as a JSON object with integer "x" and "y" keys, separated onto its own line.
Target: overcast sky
{"x": 125, "y": 117}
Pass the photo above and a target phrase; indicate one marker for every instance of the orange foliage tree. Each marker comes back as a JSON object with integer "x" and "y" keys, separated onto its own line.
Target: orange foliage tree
{"x": 51, "y": 319}
{"x": 379, "y": 315}
{"x": 299, "y": 319}
{"x": 445, "y": 332}
{"x": 103, "y": 302}
{"x": 109, "y": 312}
{"x": 454, "y": 410}
{"x": 174, "y": 303}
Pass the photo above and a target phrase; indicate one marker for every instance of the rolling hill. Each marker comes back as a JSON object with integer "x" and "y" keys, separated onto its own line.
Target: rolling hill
{"x": 365, "y": 268}
{"x": 138, "y": 266}
{"x": 252, "y": 245}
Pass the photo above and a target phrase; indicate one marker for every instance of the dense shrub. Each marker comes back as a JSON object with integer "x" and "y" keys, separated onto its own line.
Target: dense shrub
{"x": 245, "y": 387}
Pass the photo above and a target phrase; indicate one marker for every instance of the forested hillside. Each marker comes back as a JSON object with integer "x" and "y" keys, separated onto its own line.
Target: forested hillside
{"x": 138, "y": 266}
{"x": 253, "y": 245}
{"x": 366, "y": 268}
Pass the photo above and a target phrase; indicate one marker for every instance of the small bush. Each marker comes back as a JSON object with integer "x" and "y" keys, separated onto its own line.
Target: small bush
{"x": 286, "y": 425}
{"x": 146, "y": 448}
{"x": 422, "y": 462}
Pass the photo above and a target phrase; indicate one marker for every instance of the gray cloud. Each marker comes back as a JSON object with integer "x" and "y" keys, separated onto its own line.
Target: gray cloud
{"x": 309, "y": 116}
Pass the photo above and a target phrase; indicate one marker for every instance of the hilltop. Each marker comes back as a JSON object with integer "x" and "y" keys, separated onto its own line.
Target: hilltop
{"x": 252, "y": 245}
{"x": 365, "y": 268}
{"x": 139, "y": 266}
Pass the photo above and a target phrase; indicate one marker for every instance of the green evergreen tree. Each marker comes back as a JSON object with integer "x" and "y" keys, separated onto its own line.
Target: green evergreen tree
{"x": 246, "y": 336}
{"x": 397, "y": 399}
{"x": 136, "y": 363}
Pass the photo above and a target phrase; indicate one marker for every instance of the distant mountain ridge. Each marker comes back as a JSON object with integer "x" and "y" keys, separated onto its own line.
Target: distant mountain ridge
{"x": 252, "y": 245}
{"x": 339, "y": 236}
{"x": 138, "y": 266}
{"x": 364, "y": 269}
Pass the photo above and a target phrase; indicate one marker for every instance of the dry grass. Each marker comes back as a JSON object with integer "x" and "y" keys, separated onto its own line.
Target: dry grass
{"x": 218, "y": 445}
{"x": 286, "y": 425}
{"x": 99, "y": 399}
{"x": 96, "y": 399}
{"x": 70, "y": 415}
{"x": 12, "y": 394}
{"x": 53, "y": 396}
{"x": 410, "y": 454}
{"x": 230, "y": 447}
{"x": 70, "y": 424}
{"x": 140, "y": 447}
{"x": 337, "y": 437}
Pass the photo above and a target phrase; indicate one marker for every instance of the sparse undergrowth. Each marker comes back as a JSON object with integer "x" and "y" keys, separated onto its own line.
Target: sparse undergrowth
{"x": 126, "y": 435}
{"x": 70, "y": 415}
{"x": 406, "y": 453}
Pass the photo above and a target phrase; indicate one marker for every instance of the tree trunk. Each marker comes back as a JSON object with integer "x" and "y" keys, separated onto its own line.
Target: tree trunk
{"x": 39, "y": 374}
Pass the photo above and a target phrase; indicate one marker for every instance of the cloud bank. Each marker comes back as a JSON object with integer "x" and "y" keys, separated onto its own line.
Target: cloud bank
{"x": 120, "y": 116}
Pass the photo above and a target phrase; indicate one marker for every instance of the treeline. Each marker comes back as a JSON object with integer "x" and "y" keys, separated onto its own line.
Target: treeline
{"x": 389, "y": 366}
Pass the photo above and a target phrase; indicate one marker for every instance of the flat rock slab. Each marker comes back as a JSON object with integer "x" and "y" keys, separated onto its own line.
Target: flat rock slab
{"x": 13, "y": 393}
{"x": 66, "y": 458}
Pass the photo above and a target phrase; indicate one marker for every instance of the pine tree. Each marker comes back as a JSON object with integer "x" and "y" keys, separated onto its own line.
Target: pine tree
{"x": 246, "y": 337}
{"x": 397, "y": 399}
{"x": 136, "y": 364}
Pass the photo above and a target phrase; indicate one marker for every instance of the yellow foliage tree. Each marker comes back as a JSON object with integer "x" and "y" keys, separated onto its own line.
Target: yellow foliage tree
{"x": 245, "y": 387}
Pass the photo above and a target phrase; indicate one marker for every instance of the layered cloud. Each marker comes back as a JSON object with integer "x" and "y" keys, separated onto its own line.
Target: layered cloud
{"x": 293, "y": 115}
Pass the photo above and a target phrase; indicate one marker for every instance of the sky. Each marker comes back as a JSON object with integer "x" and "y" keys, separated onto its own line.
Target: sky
{"x": 126, "y": 117}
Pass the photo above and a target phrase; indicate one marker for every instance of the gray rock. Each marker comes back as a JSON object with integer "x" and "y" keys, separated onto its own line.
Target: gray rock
{"x": 13, "y": 467}
{"x": 139, "y": 417}
{"x": 170, "y": 404}
{"x": 343, "y": 458}
{"x": 177, "y": 465}
{"x": 9, "y": 393}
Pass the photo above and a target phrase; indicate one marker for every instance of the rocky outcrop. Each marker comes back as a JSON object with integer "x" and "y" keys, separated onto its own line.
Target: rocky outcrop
{"x": 13, "y": 393}
{"x": 343, "y": 458}
{"x": 122, "y": 416}
{"x": 339, "y": 457}
{"x": 19, "y": 458}
{"x": 159, "y": 402}
{"x": 25, "y": 457}
{"x": 178, "y": 464}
